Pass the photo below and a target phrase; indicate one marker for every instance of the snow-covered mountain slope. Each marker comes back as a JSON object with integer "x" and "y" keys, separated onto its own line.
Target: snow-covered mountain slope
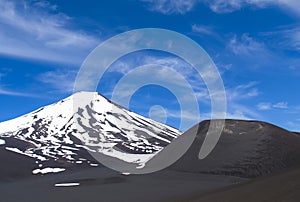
{"x": 86, "y": 121}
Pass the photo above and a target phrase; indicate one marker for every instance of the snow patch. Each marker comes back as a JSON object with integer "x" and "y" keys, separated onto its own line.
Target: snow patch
{"x": 47, "y": 170}
{"x": 16, "y": 150}
{"x": 71, "y": 184}
{"x": 2, "y": 142}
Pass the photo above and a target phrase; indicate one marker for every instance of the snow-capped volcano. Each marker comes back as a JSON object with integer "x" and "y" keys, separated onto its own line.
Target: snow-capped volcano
{"x": 86, "y": 121}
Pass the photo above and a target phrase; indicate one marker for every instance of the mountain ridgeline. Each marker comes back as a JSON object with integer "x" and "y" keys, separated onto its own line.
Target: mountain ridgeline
{"x": 245, "y": 149}
{"x": 86, "y": 122}
{"x": 66, "y": 134}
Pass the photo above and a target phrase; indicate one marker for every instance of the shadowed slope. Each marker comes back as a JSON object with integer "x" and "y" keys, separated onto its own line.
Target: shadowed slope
{"x": 280, "y": 187}
{"x": 245, "y": 149}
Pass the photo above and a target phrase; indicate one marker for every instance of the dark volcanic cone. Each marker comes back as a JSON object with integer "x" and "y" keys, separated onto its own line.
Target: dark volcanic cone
{"x": 245, "y": 149}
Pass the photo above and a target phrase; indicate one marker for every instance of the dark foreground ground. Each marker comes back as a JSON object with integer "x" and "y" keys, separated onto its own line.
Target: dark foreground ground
{"x": 103, "y": 185}
{"x": 253, "y": 161}
{"x": 283, "y": 187}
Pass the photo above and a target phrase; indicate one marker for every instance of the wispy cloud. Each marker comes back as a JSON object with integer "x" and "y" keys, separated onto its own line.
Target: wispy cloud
{"x": 248, "y": 50}
{"x": 226, "y": 6}
{"x": 247, "y": 46}
{"x": 235, "y": 98}
{"x": 281, "y": 105}
{"x": 58, "y": 80}
{"x": 8, "y": 92}
{"x": 168, "y": 7}
{"x": 223, "y": 6}
{"x": 220, "y": 6}
{"x": 269, "y": 105}
{"x": 294, "y": 125}
{"x": 243, "y": 91}
{"x": 4, "y": 88}
{"x": 173, "y": 62}
{"x": 237, "y": 112}
{"x": 235, "y": 95}
{"x": 180, "y": 114}
{"x": 285, "y": 37}
{"x": 242, "y": 111}
{"x": 35, "y": 30}
{"x": 264, "y": 105}
{"x": 188, "y": 73}
{"x": 203, "y": 29}
{"x": 292, "y": 38}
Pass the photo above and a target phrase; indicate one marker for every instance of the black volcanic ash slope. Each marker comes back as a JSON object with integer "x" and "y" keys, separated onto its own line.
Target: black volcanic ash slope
{"x": 245, "y": 149}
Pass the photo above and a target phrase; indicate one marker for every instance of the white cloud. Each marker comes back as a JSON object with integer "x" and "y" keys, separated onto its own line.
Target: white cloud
{"x": 236, "y": 96}
{"x": 203, "y": 29}
{"x": 246, "y": 46}
{"x": 264, "y": 106}
{"x": 225, "y": 6}
{"x": 269, "y": 105}
{"x": 289, "y": 37}
{"x": 168, "y": 7}
{"x": 220, "y": 6}
{"x": 238, "y": 115}
{"x": 237, "y": 112}
{"x": 5, "y": 90}
{"x": 244, "y": 91}
{"x": 174, "y": 63}
{"x": 250, "y": 50}
{"x": 294, "y": 125}
{"x": 236, "y": 108}
{"x": 30, "y": 30}
{"x": 281, "y": 105}
{"x": 184, "y": 115}
{"x": 45, "y": 4}
{"x": 59, "y": 81}
{"x": 14, "y": 93}
{"x": 295, "y": 38}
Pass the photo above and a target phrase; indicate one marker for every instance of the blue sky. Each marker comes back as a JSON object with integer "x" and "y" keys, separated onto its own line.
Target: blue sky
{"x": 255, "y": 45}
